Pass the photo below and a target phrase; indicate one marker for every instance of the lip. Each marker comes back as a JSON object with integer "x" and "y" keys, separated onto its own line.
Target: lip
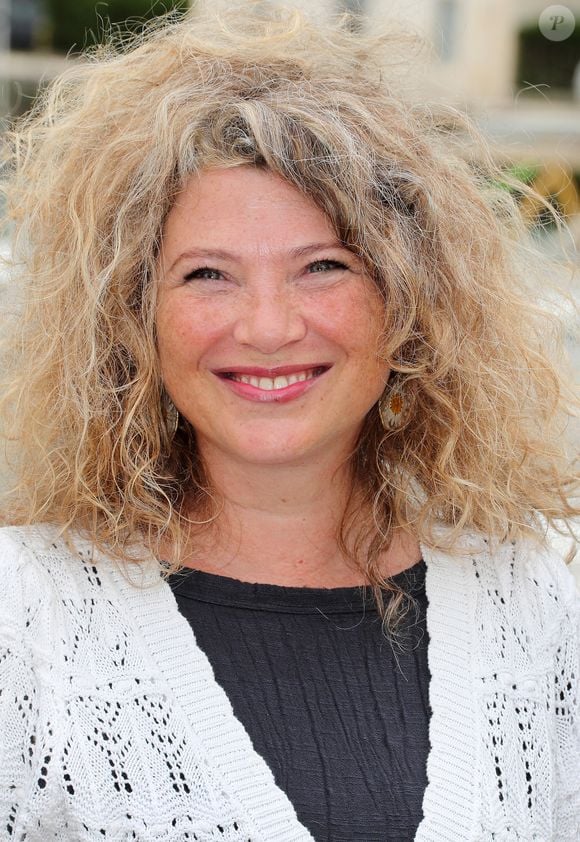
{"x": 279, "y": 371}
{"x": 288, "y": 393}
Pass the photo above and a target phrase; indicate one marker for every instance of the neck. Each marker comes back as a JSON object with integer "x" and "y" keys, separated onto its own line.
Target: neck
{"x": 279, "y": 525}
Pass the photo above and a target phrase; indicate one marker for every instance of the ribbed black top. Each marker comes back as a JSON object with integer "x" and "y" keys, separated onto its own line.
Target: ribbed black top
{"x": 340, "y": 716}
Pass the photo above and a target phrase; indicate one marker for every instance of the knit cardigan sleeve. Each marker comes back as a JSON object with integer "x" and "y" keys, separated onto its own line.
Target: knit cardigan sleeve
{"x": 505, "y": 690}
{"x": 551, "y": 679}
{"x": 29, "y": 709}
{"x": 92, "y": 744}
{"x": 563, "y": 596}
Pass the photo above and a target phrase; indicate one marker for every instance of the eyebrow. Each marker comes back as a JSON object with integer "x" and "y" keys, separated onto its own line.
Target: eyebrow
{"x": 220, "y": 254}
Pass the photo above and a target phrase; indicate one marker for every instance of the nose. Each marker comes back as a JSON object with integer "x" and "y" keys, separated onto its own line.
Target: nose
{"x": 270, "y": 319}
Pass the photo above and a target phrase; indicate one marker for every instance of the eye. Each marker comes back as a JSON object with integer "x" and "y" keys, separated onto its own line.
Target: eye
{"x": 205, "y": 273}
{"x": 326, "y": 266}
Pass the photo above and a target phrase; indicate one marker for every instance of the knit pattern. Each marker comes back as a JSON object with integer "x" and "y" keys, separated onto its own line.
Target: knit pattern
{"x": 112, "y": 726}
{"x": 530, "y": 707}
{"x": 91, "y": 747}
{"x": 505, "y": 694}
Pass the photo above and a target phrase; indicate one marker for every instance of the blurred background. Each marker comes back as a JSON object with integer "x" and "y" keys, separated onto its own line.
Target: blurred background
{"x": 513, "y": 65}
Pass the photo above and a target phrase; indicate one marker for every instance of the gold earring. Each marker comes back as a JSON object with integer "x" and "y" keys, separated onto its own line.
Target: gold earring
{"x": 394, "y": 405}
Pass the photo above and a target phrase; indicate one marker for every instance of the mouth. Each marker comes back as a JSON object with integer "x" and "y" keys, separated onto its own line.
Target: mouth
{"x": 273, "y": 386}
{"x": 280, "y": 381}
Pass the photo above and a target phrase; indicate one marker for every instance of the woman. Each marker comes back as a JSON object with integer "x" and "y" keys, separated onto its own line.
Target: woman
{"x": 277, "y": 338}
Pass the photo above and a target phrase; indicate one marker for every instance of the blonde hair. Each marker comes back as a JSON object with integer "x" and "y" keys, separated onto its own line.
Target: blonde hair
{"x": 411, "y": 187}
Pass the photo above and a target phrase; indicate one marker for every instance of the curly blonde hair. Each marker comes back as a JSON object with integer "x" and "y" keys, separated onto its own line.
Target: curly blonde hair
{"x": 411, "y": 187}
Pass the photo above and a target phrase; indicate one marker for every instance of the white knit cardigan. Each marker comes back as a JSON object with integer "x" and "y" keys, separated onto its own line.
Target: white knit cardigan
{"x": 113, "y": 727}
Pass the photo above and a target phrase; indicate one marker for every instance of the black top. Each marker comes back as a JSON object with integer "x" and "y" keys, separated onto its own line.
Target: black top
{"x": 339, "y": 716}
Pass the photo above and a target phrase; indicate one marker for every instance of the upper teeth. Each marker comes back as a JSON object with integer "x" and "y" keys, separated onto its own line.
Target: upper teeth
{"x": 273, "y": 383}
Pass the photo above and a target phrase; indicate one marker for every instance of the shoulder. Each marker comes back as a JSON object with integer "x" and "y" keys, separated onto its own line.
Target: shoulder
{"x": 533, "y": 573}
{"x": 533, "y": 562}
{"x": 546, "y": 571}
{"x": 508, "y": 614}
{"x": 25, "y": 567}
{"x": 40, "y": 570}
{"x": 41, "y": 546}
{"x": 525, "y": 580}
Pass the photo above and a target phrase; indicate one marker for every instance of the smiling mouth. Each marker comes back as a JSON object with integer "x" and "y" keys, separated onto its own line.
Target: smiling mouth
{"x": 273, "y": 383}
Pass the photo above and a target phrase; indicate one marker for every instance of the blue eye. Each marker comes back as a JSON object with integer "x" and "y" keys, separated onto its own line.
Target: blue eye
{"x": 205, "y": 273}
{"x": 326, "y": 266}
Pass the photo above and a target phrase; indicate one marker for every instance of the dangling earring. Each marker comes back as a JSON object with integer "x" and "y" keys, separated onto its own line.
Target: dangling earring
{"x": 172, "y": 418}
{"x": 394, "y": 405}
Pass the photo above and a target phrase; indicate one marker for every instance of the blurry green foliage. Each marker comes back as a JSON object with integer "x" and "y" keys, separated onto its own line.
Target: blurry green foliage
{"x": 77, "y": 24}
{"x": 524, "y": 173}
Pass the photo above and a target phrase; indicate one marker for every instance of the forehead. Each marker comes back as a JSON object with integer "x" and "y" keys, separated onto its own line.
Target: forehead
{"x": 245, "y": 207}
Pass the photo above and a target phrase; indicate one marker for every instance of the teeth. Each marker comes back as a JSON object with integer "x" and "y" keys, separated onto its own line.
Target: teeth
{"x": 269, "y": 384}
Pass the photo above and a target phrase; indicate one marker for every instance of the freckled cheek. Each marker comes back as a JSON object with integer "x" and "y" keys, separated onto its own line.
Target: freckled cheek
{"x": 349, "y": 321}
{"x": 185, "y": 333}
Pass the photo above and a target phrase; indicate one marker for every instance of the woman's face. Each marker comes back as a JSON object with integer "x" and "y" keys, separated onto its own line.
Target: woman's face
{"x": 253, "y": 280}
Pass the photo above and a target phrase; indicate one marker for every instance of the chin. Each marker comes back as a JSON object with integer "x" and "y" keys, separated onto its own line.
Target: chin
{"x": 274, "y": 450}
{"x": 273, "y": 455}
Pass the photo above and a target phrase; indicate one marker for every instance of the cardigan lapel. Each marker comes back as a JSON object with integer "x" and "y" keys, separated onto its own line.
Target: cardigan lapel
{"x": 449, "y": 803}
{"x": 188, "y": 673}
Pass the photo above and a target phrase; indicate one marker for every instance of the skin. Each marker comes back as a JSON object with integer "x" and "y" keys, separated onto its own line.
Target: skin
{"x": 252, "y": 299}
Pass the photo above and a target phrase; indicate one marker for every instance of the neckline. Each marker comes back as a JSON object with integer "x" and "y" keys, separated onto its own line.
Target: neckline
{"x": 200, "y": 586}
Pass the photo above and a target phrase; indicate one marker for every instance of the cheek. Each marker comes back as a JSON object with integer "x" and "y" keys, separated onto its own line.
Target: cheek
{"x": 185, "y": 330}
{"x": 353, "y": 320}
